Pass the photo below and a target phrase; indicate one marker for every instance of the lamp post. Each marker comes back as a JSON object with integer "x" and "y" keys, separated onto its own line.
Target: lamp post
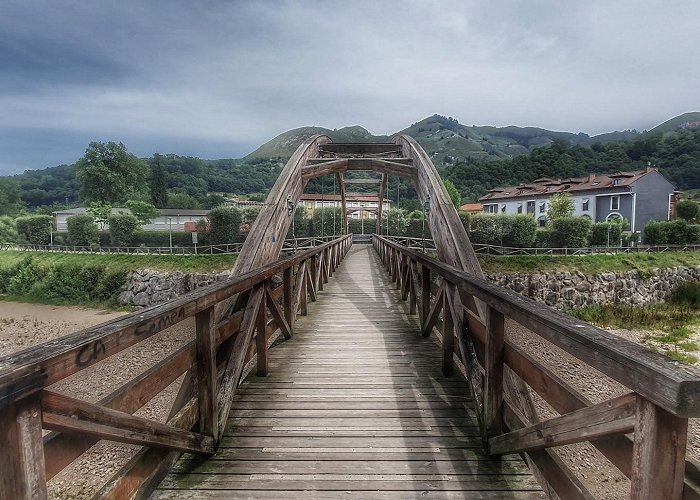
{"x": 170, "y": 228}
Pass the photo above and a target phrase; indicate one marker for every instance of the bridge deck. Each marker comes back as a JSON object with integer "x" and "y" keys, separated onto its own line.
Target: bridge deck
{"x": 355, "y": 406}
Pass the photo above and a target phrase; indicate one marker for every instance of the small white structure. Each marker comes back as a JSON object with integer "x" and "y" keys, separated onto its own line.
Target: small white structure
{"x": 169, "y": 219}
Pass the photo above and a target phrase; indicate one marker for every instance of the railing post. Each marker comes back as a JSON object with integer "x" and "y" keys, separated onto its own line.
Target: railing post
{"x": 304, "y": 289}
{"x": 22, "y": 465}
{"x": 288, "y": 300}
{"x": 261, "y": 337}
{"x": 448, "y": 339}
{"x": 658, "y": 457}
{"x": 425, "y": 293}
{"x": 493, "y": 373}
{"x": 205, "y": 332}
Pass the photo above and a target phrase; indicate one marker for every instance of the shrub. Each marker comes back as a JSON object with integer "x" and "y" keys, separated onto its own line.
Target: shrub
{"x": 299, "y": 228}
{"x": 329, "y": 222}
{"x": 599, "y": 233}
{"x": 485, "y": 229}
{"x": 109, "y": 285}
{"x": 122, "y": 230}
{"x": 358, "y": 226}
{"x": 225, "y": 225}
{"x": 248, "y": 216}
{"x": 23, "y": 276}
{"x": 465, "y": 217}
{"x": 654, "y": 233}
{"x": 416, "y": 229}
{"x": 687, "y": 293}
{"x": 688, "y": 210}
{"x": 544, "y": 239}
{"x": 82, "y": 230}
{"x": 396, "y": 219}
{"x": 521, "y": 231}
{"x": 570, "y": 231}
{"x": 8, "y": 230}
{"x": 35, "y": 229}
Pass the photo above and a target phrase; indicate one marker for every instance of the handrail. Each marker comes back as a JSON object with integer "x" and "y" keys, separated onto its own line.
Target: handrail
{"x": 294, "y": 244}
{"x": 648, "y": 373}
{"x": 664, "y": 395}
{"x": 215, "y": 362}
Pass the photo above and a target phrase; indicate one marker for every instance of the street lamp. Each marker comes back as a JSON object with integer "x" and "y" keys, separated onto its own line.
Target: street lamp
{"x": 290, "y": 205}
{"x": 170, "y": 227}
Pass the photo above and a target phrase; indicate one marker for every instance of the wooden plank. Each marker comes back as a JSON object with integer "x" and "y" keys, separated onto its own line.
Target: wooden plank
{"x": 299, "y": 287}
{"x": 288, "y": 299}
{"x": 380, "y": 205}
{"x": 343, "y": 201}
{"x": 358, "y": 148}
{"x": 261, "y": 337}
{"x": 493, "y": 391}
{"x": 277, "y": 314}
{"x": 425, "y": 295}
{"x": 61, "y": 449}
{"x": 22, "y": 456}
{"x": 434, "y": 312}
{"x": 615, "y": 416}
{"x": 66, "y": 414}
{"x": 448, "y": 339}
{"x": 658, "y": 459}
{"x": 235, "y": 364}
{"x": 205, "y": 333}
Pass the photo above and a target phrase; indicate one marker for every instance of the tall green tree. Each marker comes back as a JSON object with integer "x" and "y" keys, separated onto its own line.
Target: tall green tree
{"x": 560, "y": 205}
{"x": 454, "y": 194}
{"x": 10, "y": 202}
{"x": 100, "y": 212}
{"x": 158, "y": 184}
{"x": 143, "y": 211}
{"x": 108, "y": 172}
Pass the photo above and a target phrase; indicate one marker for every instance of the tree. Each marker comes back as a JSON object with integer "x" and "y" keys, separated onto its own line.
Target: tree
{"x": 570, "y": 232}
{"x": 100, "y": 212}
{"x": 688, "y": 210}
{"x": 397, "y": 219}
{"x": 122, "y": 230}
{"x": 225, "y": 225}
{"x": 560, "y": 205}
{"x": 108, "y": 172}
{"x": 82, "y": 230}
{"x": 142, "y": 210}
{"x": 158, "y": 184}
{"x": 36, "y": 229}
{"x": 8, "y": 231}
{"x": 182, "y": 200}
{"x": 454, "y": 194}
{"x": 10, "y": 202}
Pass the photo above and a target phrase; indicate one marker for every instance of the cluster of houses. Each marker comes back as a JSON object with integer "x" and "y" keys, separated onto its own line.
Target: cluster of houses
{"x": 638, "y": 197}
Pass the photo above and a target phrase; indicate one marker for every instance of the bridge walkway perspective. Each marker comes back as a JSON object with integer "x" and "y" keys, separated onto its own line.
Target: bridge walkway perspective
{"x": 355, "y": 406}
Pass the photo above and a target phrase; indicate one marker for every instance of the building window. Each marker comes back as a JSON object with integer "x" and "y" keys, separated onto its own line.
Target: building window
{"x": 614, "y": 203}
{"x": 616, "y": 182}
{"x": 585, "y": 205}
{"x": 520, "y": 208}
{"x": 503, "y": 209}
{"x": 543, "y": 207}
{"x": 541, "y": 220}
{"x": 491, "y": 208}
{"x": 531, "y": 208}
{"x": 355, "y": 215}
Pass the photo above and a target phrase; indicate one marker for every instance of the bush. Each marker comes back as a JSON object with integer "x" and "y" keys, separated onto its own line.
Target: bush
{"x": 465, "y": 217}
{"x": 522, "y": 231}
{"x": 357, "y": 226}
{"x": 544, "y": 239}
{"x": 82, "y": 230}
{"x": 8, "y": 230}
{"x": 299, "y": 228}
{"x": 225, "y": 225}
{"x": 35, "y": 229}
{"x": 570, "y": 231}
{"x": 248, "y": 216}
{"x": 110, "y": 285}
{"x": 688, "y": 210}
{"x": 654, "y": 233}
{"x": 687, "y": 293}
{"x": 122, "y": 230}
{"x": 329, "y": 222}
{"x": 23, "y": 276}
{"x": 397, "y": 219}
{"x": 485, "y": 229}
{"x": 415, "y": 229}
{"x": 599, "y": 233}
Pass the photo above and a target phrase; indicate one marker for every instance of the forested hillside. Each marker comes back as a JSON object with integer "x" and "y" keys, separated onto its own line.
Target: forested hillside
{"x": 474, "y": 158}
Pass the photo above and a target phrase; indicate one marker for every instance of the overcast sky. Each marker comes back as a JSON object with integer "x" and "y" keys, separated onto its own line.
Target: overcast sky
{"x": 216, "y": 79}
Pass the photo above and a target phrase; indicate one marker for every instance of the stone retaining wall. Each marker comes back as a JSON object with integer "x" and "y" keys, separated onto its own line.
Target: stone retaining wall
{"x": 146, "y": 288}
{"x": 565, "y": 290}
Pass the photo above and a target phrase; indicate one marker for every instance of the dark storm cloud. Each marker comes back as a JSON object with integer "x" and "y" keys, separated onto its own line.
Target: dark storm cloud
{"x": 216, "y": 79}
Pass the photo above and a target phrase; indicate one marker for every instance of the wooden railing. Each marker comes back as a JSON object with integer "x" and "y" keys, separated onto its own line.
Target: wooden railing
{"x": 266, "y": 303}
{"x": 662, "y": 395}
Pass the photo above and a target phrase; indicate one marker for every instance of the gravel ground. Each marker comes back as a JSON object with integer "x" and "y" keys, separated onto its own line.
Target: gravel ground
{"x": 24, "y": 325}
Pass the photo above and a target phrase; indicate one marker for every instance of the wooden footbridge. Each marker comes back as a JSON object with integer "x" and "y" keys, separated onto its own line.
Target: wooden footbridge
{"x": 352, "y": 371}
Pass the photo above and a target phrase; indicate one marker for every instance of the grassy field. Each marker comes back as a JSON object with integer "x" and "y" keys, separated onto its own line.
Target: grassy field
{"x": 124, "y": 262}
{"x": 588, "y": 264}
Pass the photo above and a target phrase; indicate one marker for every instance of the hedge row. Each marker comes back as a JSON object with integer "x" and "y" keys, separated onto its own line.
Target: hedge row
{"x": 61, "y": 283}
{"x": 675, "y": 232}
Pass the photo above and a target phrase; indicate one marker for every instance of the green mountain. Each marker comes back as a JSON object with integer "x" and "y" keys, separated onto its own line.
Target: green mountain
{"x": 445, "y": 139}
{"x": 680, "y": 122}
{"x": 284, "y": 145}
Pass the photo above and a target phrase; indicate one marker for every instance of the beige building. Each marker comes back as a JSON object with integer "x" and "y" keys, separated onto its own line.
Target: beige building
{"x": 359, "y": 205}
